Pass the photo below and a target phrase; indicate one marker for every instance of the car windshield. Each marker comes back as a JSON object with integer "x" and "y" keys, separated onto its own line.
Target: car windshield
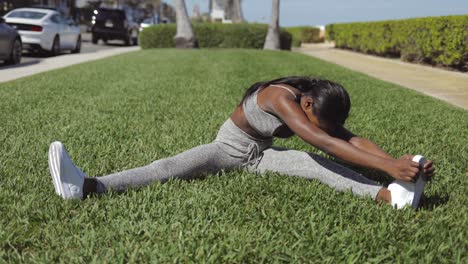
{"x": 27, "y": 14}
{"x": 149, "y": 20}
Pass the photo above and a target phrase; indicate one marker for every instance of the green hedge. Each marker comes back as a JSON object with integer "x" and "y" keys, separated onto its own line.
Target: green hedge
{"x": 213, "y": 35}
{"x": 434, "y": 40}
{"x": 304, "y": 35}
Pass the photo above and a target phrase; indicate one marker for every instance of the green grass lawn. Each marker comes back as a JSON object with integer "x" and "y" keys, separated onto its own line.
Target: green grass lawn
{"x": 129, "y": 110}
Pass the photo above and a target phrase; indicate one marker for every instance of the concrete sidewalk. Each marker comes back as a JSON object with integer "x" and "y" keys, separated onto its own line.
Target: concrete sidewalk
{"x": 18, "y": 71}
{"x": 445, "y": 85}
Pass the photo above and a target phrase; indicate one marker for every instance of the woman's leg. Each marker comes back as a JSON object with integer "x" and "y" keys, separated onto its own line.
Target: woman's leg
{"x": 311, "y": 166}
{"x": 195, "y": 162}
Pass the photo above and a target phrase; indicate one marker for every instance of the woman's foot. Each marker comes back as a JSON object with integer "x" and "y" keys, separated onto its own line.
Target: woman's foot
{"x": 407, "y": 193}
{"x": 402, "y": 193}
{"x": 68, "y": 179}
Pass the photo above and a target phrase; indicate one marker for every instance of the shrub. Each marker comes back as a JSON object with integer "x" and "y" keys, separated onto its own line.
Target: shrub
{"x": 213, "y": 35}
{"x": 304, "y": 35}
{"x": 434, "y": 40}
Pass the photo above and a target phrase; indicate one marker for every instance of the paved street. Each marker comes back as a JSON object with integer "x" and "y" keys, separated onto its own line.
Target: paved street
{"x": 36, "y": 63}
{"x": 32, "y": 58}
{"x": 86, "y": 47}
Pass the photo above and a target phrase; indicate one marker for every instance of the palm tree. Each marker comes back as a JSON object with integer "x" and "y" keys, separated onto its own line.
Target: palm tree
{"x": 234, "y": 11}
{"x": 272, "y": 40}
{"x": 185, "y": 38}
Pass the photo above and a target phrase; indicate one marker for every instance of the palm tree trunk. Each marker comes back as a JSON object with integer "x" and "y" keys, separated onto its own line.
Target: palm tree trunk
{"x": 185, "y": 38}
{"x": 238, "y": 8}
{"x": 234, "y": 11}
{"x": 272, "y": 40}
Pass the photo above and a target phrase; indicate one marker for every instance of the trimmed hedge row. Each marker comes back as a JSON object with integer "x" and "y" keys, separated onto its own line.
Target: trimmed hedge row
{"x": 213, "y": 35}
{"x": 434, "y": 40}
{"x": 304, "y": 35}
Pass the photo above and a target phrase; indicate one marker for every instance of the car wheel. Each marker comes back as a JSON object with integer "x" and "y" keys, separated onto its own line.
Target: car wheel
{"x": 15, "y": 54}
{"x": 55, "y": 47}
{"x": 128, "y": 40}
{"x": 94, "y": 39}
{"x": 78, "y": 45}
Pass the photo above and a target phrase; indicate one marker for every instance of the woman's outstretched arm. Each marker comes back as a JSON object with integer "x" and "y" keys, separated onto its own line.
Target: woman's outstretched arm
{"x": 293, "y": 116}
{"x": 371, "y": 147}
{"x": 360, "y": 142}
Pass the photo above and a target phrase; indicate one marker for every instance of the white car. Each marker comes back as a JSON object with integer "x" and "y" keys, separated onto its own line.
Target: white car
{"x": 45, "y": 29}
{"x": 149, "y": 22}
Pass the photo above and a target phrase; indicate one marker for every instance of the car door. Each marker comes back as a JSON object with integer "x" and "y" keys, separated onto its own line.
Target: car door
{"x": 69, "y": 32}
{"x": 55, "y": 28}
{"x": 74, "y": 30}
{"x": 4, "y": 40}
{"x": 63, "y": 32}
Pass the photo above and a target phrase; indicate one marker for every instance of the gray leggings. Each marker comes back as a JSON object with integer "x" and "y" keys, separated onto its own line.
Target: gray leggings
{"x": 234, "y": 149}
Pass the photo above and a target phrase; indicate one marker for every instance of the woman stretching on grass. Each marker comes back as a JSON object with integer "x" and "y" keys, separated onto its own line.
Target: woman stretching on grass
{"x": 313, "y": 109}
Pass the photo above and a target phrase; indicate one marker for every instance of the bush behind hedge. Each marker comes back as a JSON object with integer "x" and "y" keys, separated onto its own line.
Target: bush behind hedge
{"x": 434, "y": 40}
{"x": 213, "y": 35}
{"x": 304, "y": 34}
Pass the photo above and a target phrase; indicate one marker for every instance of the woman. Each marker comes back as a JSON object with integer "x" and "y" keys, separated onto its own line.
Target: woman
{"x": 313, "y": 109}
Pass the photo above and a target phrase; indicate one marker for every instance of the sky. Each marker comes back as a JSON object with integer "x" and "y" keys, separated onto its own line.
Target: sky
{"x": 314, "y": 12}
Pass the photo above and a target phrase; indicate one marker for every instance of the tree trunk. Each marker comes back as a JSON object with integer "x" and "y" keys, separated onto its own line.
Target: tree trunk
{"x": 234, "y": 11}
{"x": 272, "y": 40}
{"x": 185, "y": 38}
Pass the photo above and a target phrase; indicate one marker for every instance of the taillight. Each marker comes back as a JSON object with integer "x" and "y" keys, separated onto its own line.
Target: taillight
{"x": 36, "y": 28}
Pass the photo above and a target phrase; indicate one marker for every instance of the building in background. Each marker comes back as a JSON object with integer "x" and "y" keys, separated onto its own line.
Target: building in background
{"x": 217, "y": 13}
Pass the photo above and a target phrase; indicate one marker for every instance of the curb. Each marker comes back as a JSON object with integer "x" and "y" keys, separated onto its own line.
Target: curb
{"x": 20, "y": 71}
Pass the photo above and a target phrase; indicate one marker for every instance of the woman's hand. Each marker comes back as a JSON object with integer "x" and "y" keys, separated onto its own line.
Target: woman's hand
{"x": 428, "y": 167}
{"x": 403, "y": 169}
{"x": 406, "y": 169}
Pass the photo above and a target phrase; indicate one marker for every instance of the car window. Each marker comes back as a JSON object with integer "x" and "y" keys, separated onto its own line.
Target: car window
{"x": 151, "y": 20}
{"x": 129, "y": 17}
{"x": 26, "y": 14}
{"x": 55, "y": 19}
{"x": 104, "y": 14}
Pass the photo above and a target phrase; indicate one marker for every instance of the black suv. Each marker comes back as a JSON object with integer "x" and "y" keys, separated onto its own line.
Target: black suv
{"x": 109, "y": 24}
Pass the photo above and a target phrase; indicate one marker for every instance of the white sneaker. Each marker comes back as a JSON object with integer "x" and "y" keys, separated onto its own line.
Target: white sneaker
{"x": 68, "y": 179}
{"x": 407, "y": 193}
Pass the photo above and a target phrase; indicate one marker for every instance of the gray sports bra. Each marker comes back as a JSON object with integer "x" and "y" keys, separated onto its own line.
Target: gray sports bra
{"x": 265, "y": 124}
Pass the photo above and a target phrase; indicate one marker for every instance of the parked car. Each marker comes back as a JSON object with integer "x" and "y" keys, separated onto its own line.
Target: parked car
{"x": 110, "y": 24}
{"x": 149, "y": 22}
{"x": 43, "y": 29}
{"x": 10, "y": 44}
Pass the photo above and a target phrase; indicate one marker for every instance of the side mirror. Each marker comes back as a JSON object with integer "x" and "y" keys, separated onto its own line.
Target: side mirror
{"x": 2, "y": 20}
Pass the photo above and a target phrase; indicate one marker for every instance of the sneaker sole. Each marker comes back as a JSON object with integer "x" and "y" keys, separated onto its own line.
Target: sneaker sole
{"x": 54, "y": 165}
{"x": 420, "y": 182}
{"x": 53, "y": 169}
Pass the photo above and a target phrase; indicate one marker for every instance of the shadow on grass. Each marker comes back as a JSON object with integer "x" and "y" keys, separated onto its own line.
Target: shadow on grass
{"x": 429, "y": 203}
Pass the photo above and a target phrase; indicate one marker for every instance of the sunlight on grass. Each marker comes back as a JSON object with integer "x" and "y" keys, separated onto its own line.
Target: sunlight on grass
{"x": 129, "y": 110}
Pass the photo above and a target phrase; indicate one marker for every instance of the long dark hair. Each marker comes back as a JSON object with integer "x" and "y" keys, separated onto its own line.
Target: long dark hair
{"x": 331, "y": 101}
